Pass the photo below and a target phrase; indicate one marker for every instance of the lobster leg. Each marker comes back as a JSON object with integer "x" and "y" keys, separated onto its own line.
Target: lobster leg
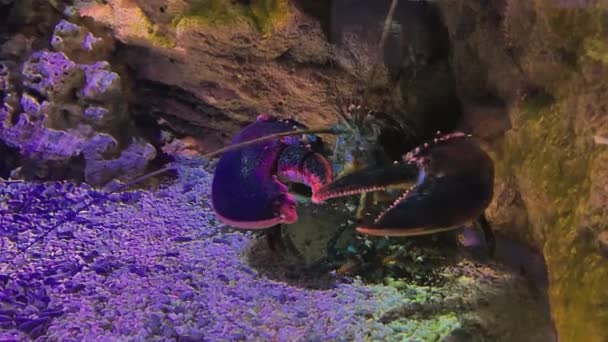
{"x": 274, "y": 238}
{"x": 488, "y": 234}
{"x": 279, "y": 243}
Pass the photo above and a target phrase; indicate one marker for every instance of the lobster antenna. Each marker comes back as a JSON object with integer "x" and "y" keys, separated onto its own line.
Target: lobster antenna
{"x": 341, "y": 106}
{"x": 387, "y": 23}
{"x": 327, "y": 130}
{"x": 125, "y": 186}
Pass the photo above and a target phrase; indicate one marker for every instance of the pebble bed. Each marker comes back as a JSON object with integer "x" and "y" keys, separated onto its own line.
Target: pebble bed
{"x": 158, "y": 266}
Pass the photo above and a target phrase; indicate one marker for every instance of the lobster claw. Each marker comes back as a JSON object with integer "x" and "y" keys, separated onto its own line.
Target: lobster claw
{"x": 249, "y": 190}
{"x": 368, "y": 180}
{"x": 451, "y": 184}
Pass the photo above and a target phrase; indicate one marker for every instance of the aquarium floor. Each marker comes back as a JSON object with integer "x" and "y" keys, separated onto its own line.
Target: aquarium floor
{"x": 157, "y": 266}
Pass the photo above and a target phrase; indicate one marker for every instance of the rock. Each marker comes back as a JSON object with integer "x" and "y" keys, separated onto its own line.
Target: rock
{"x": 194, "y": 63}
{"x": 52, "y": 75}
{"x": 528, "y": 77}
{"x": 486, "y": 120}
{"x": 551, "y": 186}
{"x": 55, "y": 130}
{"x": 101, "y": 85}
{"x": 602, "y": 243}
{"x": 80, "y": 44}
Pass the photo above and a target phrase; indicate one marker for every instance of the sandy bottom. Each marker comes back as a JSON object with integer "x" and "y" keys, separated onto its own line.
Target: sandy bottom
{"x": 157, "y": 266}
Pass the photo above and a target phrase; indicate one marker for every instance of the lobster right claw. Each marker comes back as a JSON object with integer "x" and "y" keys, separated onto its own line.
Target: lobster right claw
{"x": 453, "y": 181}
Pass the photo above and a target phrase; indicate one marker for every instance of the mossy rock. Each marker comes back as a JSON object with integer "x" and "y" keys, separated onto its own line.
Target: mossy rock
{"x": 552, "y": 162}
{"x": 265, "y": 15}
{"x": 597, "y": 49}
{"x": 551, "y": 155}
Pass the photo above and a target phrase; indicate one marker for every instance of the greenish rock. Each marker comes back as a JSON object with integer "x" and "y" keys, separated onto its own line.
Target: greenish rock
{"x": 547, "y": 61}
{"x": 596, "y": 49}
{"x": 264, "y": 15}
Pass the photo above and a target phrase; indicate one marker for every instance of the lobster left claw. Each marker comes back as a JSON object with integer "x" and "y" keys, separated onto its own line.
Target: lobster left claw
{"x": 451, "y": 182}
{"x": 248, "y": 190}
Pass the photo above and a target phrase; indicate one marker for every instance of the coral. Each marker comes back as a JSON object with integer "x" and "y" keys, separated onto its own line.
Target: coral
{"x": 36, "y": 141}
{"x": 68, "y": 36}
{"x": 102, "y": 85}
{"x": 66, "y": 109}
{"x": 96, "y": 114}
{"x": 52, "y": 75}
{"x": 78, "y": 43}
{"x": 132, "y": 161}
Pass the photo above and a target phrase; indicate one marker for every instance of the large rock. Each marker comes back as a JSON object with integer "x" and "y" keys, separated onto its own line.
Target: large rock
{"x": 218, "y": 66}
{"x": 208, "y": 67}
{"x": 546, "y": 61}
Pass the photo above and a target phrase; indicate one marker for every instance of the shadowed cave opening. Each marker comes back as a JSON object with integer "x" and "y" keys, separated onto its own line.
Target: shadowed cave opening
{"x": 416, "y": 55}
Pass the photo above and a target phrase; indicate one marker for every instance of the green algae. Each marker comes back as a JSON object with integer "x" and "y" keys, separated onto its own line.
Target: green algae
{"x": 141, "y": 26}
{"x": 596, "y": 49}
{"x": 418, "y": 325}
{"x": 433, "y": 329}
{"x": 264, "y": 15}
{"x": 553, "y": 165}
{"x": 160, "y": 40}
{"x": 215, "y": 12}
{"x": 572, "y": 28}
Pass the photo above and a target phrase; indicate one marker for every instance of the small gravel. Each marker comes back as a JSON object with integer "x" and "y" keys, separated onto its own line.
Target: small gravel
{"x": 157, "y": 266}
{"x": 154, "y": 266}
